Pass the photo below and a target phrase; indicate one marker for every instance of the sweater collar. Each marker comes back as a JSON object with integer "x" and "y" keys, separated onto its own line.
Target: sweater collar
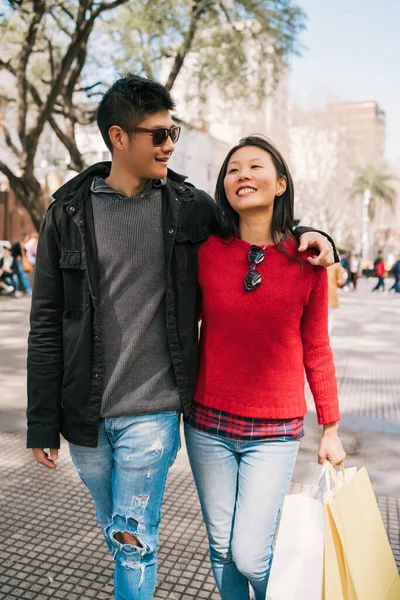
{"x": 289, "y": 243}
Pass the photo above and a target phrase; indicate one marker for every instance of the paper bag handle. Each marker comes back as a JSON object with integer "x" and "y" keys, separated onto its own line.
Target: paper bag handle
{"x": 330, "y": 475}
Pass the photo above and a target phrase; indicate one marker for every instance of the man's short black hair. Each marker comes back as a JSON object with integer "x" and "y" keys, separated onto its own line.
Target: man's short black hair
{"x": 128, "y": 101}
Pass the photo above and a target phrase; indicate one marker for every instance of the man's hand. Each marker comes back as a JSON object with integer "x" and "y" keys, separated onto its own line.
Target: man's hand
{"x": 331, "y": 447}
{"x": 44, "y": 459}
{"x": 313, "y": 239}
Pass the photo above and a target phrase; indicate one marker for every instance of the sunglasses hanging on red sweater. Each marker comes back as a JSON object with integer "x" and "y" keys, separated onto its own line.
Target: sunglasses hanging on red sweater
{"x": 253, "y": 278}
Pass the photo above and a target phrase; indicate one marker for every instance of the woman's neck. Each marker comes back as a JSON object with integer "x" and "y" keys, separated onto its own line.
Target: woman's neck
{"x": 256, "y": 230}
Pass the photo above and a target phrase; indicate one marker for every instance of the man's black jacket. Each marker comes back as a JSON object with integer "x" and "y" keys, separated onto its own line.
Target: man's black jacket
{"x": 65, "y": 370}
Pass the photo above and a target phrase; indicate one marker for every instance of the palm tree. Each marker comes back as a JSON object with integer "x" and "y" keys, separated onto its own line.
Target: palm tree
{"x": 373, "y": 183}
{"x": 377, "y": 181}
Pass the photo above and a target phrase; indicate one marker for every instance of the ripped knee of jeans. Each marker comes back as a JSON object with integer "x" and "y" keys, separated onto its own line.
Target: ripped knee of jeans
{"x": 127, "y": 536}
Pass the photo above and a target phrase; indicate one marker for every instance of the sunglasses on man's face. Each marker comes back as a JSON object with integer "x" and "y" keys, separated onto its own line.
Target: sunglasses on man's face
{"x": 160, "y": 135}
{"x": 253, "y": 278}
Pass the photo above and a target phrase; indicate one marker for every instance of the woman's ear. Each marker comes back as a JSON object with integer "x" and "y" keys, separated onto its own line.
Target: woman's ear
{"x": 281, "y": 186}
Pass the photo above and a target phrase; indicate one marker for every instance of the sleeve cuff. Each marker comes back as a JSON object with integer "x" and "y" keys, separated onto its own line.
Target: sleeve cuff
{"x": 43, "y": 436}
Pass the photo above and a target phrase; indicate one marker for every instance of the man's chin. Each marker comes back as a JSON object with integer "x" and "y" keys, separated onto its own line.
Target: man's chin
{"x": 161, "y": 171}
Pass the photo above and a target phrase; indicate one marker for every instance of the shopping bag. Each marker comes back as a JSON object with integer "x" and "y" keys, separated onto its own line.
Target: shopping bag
{"x": 336, "y": 582}
{"x": 26, "y": 265}
{"x": 358, "y": 561}
{"x": 297, "y": 566}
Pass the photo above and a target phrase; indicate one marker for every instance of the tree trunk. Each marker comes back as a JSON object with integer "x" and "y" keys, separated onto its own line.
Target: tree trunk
{"x": 28, "y": 192}
{"x": 32, "y": 200}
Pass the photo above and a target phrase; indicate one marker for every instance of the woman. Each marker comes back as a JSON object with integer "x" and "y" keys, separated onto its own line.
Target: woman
{"x": 355, "y": 269}
{"x": 264, "y": 316}
{"x": 22, "y": 264}
{"x": 335, "y": 281}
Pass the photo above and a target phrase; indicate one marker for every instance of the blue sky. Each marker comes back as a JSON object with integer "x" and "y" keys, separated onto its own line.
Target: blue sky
{"x": 352, "y": 52}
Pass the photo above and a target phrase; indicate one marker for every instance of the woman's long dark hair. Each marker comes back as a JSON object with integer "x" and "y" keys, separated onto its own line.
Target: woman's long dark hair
{"x": 283, "y": 212}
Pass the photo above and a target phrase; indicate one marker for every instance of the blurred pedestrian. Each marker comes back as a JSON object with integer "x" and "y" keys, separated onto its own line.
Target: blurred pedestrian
{"x": 8, "y": 272}
{"x": 345, "y": 262}
{"x": 23, "y": 265}
{"x": 355, "y": 269}
{"x": 380, "y": 271}
{"x": 31, "y": 248}
{"x": 264, "y": 320}
{"x": 112, "y": 352}
{"x": 5, "y": 288}
{"x": 335, "y": 280}
{"x": 396, "y": 273}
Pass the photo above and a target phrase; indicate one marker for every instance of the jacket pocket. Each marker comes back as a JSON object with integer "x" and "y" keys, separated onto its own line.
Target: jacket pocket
{"x": 72, "y": 259}
{"x": 73, "y": 268}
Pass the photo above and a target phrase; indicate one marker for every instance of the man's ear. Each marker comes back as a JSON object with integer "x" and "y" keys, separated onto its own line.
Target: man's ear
{"x": 118, "y": 137}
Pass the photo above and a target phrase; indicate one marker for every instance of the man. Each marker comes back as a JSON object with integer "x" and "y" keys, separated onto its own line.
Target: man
{"x": 396, "y": 273}
{"x": 380, "y": 271}
{"x": 113, "y": 343}
{"x": 8, "y": 273}
{"x": 345, "y": 262}
{"x": 355, "y": 270}
{"x": 23, "y": 266}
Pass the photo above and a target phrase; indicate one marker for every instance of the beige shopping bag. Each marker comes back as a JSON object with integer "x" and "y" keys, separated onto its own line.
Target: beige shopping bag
{"x": 337, "y": 584}
{"x": 358, "y": 562}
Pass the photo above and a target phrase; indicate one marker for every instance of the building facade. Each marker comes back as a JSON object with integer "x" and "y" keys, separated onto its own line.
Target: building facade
{"x": 328, "y": 149}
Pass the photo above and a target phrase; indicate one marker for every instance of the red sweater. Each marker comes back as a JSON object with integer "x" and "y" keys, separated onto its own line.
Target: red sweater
{"x": 255, "y": 345}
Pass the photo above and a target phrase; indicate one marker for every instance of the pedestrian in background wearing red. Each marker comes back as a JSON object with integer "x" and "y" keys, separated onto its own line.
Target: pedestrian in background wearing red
{"x": 380, "y": 272}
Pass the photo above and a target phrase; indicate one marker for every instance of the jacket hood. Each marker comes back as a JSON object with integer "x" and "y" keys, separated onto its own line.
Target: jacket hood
{"x": 101, "y": 169}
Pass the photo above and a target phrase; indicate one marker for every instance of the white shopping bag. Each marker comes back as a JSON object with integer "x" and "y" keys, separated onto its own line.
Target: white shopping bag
{"x": 297, "y": 567}
{"x": 298, "y": 564}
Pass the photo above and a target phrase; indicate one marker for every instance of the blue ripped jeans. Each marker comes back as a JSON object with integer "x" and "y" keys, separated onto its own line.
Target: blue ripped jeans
{"x": 126, "y": 477}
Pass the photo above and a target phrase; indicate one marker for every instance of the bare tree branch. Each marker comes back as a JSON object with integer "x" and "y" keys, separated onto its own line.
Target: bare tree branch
{"x": 39, "y": 7}
{"x": 82, "y": 31}
{"x": 107, "y": 6}
{"x": 10, "y": 143}
{"x": 146, "y": 57}
{"x": 198, "y": 9}
{"x": 77, "y": 70}
{"x": 7, "y": 66}
{"x": 59, "y": 24}
{"x": 12, "y": 178}
{"x": 90, "y": 87}
{"x": 84, "y": 5}
{"x": 77, "y": 163}
{"x": 67, "y": 12}
{"x": 225, "y": 11}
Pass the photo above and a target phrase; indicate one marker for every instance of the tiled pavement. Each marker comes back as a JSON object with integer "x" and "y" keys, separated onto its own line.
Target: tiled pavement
{"x": 366, "y": 342}
{"x": 50, "y": 546}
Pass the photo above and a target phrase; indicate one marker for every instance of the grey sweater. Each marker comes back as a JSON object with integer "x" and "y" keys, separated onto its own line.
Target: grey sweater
{"x": 138, "y": 373}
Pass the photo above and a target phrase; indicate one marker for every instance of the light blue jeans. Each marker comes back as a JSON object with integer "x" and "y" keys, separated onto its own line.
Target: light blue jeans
{"x": 23, "y": 277}
{"x": 241, "y": 486}
{"x": 126, "y": 477}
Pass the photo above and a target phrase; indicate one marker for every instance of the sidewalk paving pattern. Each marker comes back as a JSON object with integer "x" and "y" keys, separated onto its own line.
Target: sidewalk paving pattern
{"x": 50, "y": 544}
